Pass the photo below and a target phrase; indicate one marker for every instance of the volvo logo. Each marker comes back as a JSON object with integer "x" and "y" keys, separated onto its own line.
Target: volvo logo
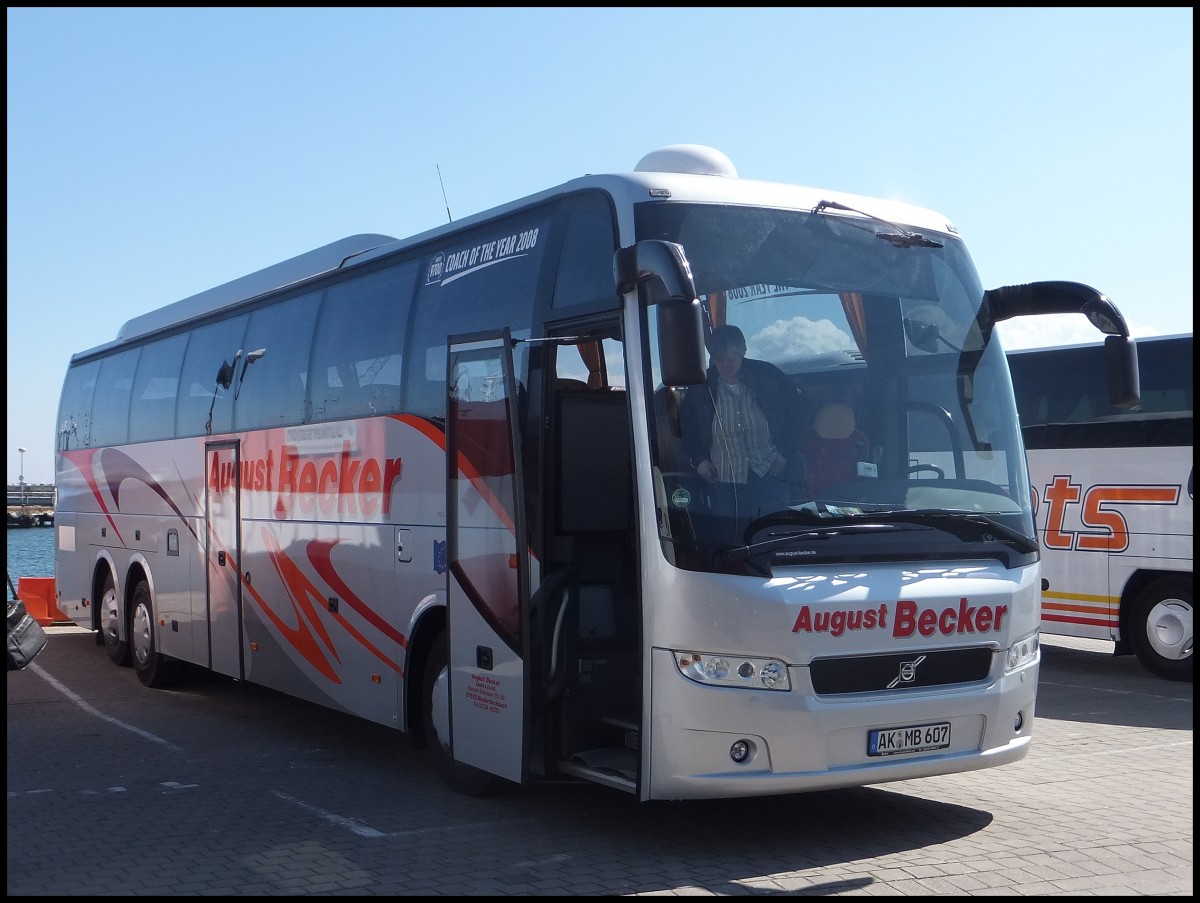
{"x": 908, "y": 673}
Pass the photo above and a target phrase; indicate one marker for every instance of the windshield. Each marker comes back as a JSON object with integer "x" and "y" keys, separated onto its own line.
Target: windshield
{"x": 850, "y": 383}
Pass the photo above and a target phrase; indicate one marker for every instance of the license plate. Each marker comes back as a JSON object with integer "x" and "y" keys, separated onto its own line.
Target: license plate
{"x": 917, "y": 738}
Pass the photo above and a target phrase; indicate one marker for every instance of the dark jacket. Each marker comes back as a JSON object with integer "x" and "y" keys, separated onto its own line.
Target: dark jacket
{"x": 776, "y": 395}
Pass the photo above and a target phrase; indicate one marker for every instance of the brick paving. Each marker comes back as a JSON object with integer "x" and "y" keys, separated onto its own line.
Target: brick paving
{"x": 218, "y": 788}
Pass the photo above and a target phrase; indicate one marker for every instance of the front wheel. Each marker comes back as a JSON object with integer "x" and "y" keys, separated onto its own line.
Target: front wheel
{"x": 435, "y": 699}
{"x": 1160, "y": 626}
{"x": 113, "y": 632}
{"x": 153, "y": 668}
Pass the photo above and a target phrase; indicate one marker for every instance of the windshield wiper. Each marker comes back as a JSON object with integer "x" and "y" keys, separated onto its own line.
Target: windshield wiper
{"x": 901, "y": 238}
{"x": 966, "y": 526}
{"x": 817, "y": 533}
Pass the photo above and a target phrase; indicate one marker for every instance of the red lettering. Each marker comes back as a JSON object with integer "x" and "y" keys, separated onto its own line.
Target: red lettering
{"x": 392, "y": 469}
{"x": 289, "y": 464}
{"x": 1116, "y": 531}
{"x": 966, "y": 616}
{"x": 1060, "y": 493}
{"x": 327, "y": 487}
{"x": 949, "y": 621}
{"x": 368, "y": 487}
{"x": 906, "y": 618}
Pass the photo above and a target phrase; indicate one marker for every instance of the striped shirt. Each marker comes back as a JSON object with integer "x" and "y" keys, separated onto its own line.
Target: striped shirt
{"x": 741, "y": 440}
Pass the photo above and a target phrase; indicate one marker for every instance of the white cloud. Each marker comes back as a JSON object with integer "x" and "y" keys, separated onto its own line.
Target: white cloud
{"x": 1054, "y": 330}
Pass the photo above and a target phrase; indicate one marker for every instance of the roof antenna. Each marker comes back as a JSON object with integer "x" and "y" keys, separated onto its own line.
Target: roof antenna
{"x": 443, "y": 184}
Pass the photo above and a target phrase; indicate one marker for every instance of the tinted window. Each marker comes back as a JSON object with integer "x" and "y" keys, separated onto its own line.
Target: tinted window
{"x": 1062, "y": 397}
{"x": 110, "y": 405}
{"x": 75, "y": 407}
{"x": 155, "y": 385}
{"x": 357, "y": 359}
{"x": 585, "y": 264}
{"x": 203, "y": 405}
{"x": 1070, "y": 385}
{"x": 268, "y": 388}
{"x": 482, "y": 281}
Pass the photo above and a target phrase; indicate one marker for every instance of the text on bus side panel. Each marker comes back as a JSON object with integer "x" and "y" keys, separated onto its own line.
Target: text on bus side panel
{"x": 343, "y": 483}
{"x": 1098, "y": 512}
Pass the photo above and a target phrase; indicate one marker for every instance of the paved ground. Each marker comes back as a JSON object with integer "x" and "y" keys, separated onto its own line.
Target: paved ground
{"x": 220, "y": 789}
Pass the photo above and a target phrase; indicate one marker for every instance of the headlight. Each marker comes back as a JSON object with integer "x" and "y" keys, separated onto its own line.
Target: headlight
{"x": 720, "y": 670}
{"x": 1023, "y": 652}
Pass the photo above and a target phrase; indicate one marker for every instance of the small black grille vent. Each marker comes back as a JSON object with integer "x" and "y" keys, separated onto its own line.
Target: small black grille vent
{"x": 871, "y": 673}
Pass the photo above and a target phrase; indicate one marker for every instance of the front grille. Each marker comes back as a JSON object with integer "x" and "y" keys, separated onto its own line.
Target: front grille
{"x": 872, "y": 673}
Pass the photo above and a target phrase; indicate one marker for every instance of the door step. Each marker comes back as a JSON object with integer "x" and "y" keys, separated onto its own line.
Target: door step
{"x": 612, "y": 767}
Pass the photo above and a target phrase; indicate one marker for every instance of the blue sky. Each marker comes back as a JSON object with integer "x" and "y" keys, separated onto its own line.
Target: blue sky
{"x": 156, "y": 153}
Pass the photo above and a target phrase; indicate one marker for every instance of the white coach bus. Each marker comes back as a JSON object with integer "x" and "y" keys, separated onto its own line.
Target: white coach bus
{"x": 1114, "y": 490}
{"x": 439, "y": 483}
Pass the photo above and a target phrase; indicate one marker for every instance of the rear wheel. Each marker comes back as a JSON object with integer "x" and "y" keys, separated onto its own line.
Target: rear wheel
{"x": 435, "y": 698}
{"x": 1160, "y": 628}
{"x": 153, "y": 668}
{"x": 114, "y": 633}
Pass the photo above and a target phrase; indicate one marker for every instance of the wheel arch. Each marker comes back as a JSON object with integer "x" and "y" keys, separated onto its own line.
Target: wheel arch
{"x": 430, "y": 621}
{"x": 138, "y": 570}
{"x": 103, "y": 567}
{"x": 1137, "y": 582}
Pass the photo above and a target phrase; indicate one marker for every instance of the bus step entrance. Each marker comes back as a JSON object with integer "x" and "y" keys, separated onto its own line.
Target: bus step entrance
{"x": 610, "y": 766}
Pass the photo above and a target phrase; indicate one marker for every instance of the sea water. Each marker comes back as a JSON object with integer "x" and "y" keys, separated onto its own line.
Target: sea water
{"x": 30, "y": 552}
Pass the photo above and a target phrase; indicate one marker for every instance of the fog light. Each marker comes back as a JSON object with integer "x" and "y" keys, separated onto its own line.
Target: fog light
{"x": 740, "y": 751}
{"x": 1019, "y": 722}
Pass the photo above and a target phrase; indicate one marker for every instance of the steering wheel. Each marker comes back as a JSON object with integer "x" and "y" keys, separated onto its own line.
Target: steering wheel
{"x": 928, "y": 468}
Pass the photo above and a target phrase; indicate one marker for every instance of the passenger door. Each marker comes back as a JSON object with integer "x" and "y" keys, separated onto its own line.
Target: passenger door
{"x": 487, "y": 556}
{"x": 223, "y": 539}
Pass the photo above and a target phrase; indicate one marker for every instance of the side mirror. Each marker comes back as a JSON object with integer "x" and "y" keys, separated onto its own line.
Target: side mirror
{"x": 226, "y": 371}
{"x": 1120, "y": 349}
{"x": 1121, "y": 362}
{"x": 1056, "y": 298}
{"x": 922, "y": 335}
{"x": 661, "y": 274}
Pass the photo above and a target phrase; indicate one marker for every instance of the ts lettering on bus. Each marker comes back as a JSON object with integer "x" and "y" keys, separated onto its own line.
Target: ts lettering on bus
{"x": 1100, "y": 511}
{"x": 341, "y": 483}
{"x": 909, "y": 618}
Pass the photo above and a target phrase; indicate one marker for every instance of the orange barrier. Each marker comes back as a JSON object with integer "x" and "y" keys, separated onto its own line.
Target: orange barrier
{"x": 40, "y": 599}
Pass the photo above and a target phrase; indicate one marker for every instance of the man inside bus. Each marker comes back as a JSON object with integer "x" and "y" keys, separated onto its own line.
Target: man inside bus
{"x": 741, "y": 431}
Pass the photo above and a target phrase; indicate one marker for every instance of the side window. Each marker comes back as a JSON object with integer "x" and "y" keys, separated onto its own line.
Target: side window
{"x": 480, "y": 281}
{"x": 202, "y": 406}
{"x": 110, "y": 405}
{"x": 585, "y": 264}
{"x": 155, "y": 385}
{"x": 357, "y": 360}
{"x": 75, "y": 407}
{"x": 268, "y": 387}
{"x": 1166, "y": 376}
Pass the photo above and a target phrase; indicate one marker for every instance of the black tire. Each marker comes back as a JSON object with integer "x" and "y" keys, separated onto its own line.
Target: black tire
{"x": 153, "y": 668}
{"x": 1160, "y": 628}
{"x": 435, "y": 718}
{"x": 114, "y": 627}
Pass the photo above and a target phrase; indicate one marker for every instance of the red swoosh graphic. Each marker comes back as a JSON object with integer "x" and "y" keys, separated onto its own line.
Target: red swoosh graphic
{"x": 83, "y": 463}
{"x": 319, "y": 553}
{"x": 301, "y": 592}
